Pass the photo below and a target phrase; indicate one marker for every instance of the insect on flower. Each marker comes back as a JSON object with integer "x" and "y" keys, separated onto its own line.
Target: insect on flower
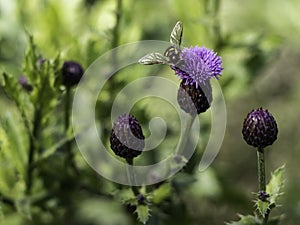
{"x": 172, "y": 54}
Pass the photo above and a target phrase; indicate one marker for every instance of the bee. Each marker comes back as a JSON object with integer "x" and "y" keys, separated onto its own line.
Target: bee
{"x": 172, "y": 54}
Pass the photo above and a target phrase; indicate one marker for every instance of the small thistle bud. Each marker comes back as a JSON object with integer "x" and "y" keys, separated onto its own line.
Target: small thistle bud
{"x": 127, "y": 139}
{"x": 263, "y": 196}
{"x": 260, "y": 128}
{"x": 23, "y": 81}
{"x": 72, "y": 72}
{"x": 192, "y": 99}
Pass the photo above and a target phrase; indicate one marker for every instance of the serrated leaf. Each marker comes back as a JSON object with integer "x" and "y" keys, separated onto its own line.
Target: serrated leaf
{"x": 125, "y": 196}
{"x": 50, "y": 151}
{"x": 143, "y": 212}
{"x": 13, "y": 157}
{"x": 161, "y": 193}
{"x": 275, "y": 186}
{"x": 12, "y": 88}
{"x": 246, "y": 220}
{"x": 262, "y": 207}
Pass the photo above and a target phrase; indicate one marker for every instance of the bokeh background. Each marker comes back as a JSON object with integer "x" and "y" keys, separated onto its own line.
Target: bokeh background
{"x": 258, "y": 41}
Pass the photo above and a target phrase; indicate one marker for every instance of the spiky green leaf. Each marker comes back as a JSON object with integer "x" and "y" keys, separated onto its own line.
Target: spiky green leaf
{"x": 262, "y": 207}
{"x": 275, "y": 186}
{"x": 246, "y": 220}
{"x": 143, "y": 213}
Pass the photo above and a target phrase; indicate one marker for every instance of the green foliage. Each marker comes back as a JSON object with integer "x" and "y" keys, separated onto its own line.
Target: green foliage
{"x": 252, "y": 40}
{"x": 246, "y": 220}
{"x": 161, "y": 193}
{"x": 274, "y": 190}
{"x": 143, "y": 213}
{"x": 276, "y": 184}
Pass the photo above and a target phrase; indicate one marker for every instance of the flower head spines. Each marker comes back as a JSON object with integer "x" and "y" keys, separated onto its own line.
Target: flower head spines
{"x": 192, "y": 99}
{"x": 198, "y": 65}
{"x": 260, "y": 128}
{"x": 127, "y": 139}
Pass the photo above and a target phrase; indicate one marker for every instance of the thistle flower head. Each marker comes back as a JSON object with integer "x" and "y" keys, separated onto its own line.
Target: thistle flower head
{"x": 198, "y": 65}
{"x": 260, "y": 128}
{"x": 127, "y": 139}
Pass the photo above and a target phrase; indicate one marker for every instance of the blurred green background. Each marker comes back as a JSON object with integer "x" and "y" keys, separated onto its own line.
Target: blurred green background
{"x": 258, "y": 41}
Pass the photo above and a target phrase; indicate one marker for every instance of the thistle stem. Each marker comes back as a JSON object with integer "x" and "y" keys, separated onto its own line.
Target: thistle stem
{"x": 262, "y": 178}
{"x": 131, "y": 177}
{"x": 67, "y": 108}
{"x": 32, "y": 148}
{"x": 69, "y": 152}
{"x": 261, "y": 169}
{"x": 185, "y": 136}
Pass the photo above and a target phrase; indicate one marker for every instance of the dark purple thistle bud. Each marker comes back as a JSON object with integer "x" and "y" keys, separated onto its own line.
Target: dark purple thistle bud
{"x": 263, "y": 196}
{"x": 23, "y": 81}
{"x": 260, "y": 128}
{"x": 192, "y": 99}
{"x": 72, "y": 73}
{"x": 127, "y": 139}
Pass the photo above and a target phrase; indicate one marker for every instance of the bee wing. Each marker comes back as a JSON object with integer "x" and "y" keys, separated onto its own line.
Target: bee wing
{"x": 176, "y": 34}
{"x": 153, "y": 58}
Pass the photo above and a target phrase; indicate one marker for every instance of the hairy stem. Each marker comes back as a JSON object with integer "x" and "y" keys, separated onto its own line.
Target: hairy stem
{"x": 131, "y": 177}
{"x": 32, "y": 148}
{"x": 261, "y": 169}
{"x": 185, "y": 136}
{"x": 262, "y": 178}
{"x": 69, "y": 152}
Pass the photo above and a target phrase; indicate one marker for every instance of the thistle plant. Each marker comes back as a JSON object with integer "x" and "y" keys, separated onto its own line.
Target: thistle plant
{"x": 260, "y": 130}
{"x": 195, "y": 66}
{"x": 72, "y": 73}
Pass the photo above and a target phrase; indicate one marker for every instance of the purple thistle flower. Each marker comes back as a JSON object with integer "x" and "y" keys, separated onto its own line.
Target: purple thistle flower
{"x": 198, "y": 65}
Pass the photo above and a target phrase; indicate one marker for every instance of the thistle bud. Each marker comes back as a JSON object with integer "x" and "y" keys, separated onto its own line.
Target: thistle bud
{"x": 127, "y": 139}
{"x": 192, "y": 99}
{"x": 23, "y": 81}
{"x": 260, "y": 128}
{"x": 72, "y": 73}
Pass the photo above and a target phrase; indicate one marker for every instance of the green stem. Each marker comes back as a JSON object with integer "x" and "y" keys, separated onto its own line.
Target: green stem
{"x": 32, "y": 148}
{"x": 265, "y": 221}
{"x": 131, "y": 177}
{"x": 69, "y": 152}
{"x": 116, "y": 39}
{"x": 115, "y": 32}
{"x": 262, "y": 178}
{"x": 185, "y": 136}
{"x": 261, "y": 169}
{"x": 67, "y": 108}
